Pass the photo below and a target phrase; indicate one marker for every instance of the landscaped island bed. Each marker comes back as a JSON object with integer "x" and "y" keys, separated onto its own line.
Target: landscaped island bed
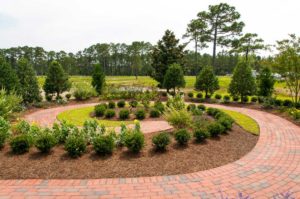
{"x": 177, "y": 160}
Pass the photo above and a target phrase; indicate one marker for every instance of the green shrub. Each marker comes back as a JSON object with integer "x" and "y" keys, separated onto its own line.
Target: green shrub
{"x": 161, "y": 141}
{"x": 190, "y": 95}
{"x": 23, "y": 127}
{"x": 287, "y": 103}
{"x": 68, "y": 96}
{"x": 218, "y": 96}
{"x": 20, "y": 144}
{"x": 178, "y": 118}
{"x": 191, "y": 107}
{"x": 226, "y": 121}
{"x": 212, "y": 111}
{"x": 278, "y": 102}
{"x": 45, "y": 141}
{"x": 226, "y": 98}
{"x": 235, "y": 98}
{"x": 133, "y": 103}
{"x": 104, "y": 144}
{"x": 121, "y": 103}
{"x": 83, "y": 92}
{"x": 200, "y": 135}
{"x": 199, "y": 95}
{"x": 294, "y": 113}
{"x": 62, "y": 130}
{"x": 100, "y": 110}
{"x": 111, "y": 104}
{"x": 159, "y": 106}
{"x": 254, "y": 99}
{"x": 182, "y": 136}
{"x": 140, "y": 114}
{"x": 4, "y": 131}
{"x": 134, "y": 141}
{"x": 215, "y": 129}
{"x": 75, "y": 145}
{"x": 124, "y": 114}
{"x": 154, "y": 113}
{"x": 49, "y": 98}
{"x": 245, "y": 99}
{"x": 164, "y": 94}
{"x": 201, "y": 107}
{"x": 109, "y": 113}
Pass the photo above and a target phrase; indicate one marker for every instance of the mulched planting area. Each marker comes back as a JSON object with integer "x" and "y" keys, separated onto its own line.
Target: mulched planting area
{"x": 176, "y": 160}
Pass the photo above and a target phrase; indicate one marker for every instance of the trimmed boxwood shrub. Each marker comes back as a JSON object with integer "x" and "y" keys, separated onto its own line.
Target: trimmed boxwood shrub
{"x": 104, "y": 144}
{"x": 200, "y": 135}
{"x": 100, "y": 110}
{"x": 133, "y": 103}
{"x": 124, "y": 114}
{"x": 134, "y": 141}
{"x": 45, "y": 141}
{"x": 245, "y": 99}
{"x": 254, "y": 99}
{"x": 154, "y": 113}
{"x": 75, "y": 145}
{"x": 199, "y": 95}
{"x": 191, "y": 107}
{"x": 161, "y": 141}
{"x": 201, "y": 107}
{"x": 121, "y": 103}
{"x": 140, "y": 114}
{"x": 191, "y": 95}
{"x": 159, "y": 106}
{"x": 226, "y": 121}
{"x": 20, "y": 144}
{"x": 278, "y": 102}
{"x": 212, "y": 111}
{"x": 109, "y": 113}
{"x": 218, "y": 96}
{"x": 235, "y": 98}
{"x": 287, "y": 103}
{"x": 111, "y": 104}
{"x": 261, "y": 99}
{"x": 182, "y": 136}
{"x": 226, "y": 98}
{"x": 215, "y": 129}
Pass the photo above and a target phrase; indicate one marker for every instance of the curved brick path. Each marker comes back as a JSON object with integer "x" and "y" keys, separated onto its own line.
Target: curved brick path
{"x": 273, "y": 166}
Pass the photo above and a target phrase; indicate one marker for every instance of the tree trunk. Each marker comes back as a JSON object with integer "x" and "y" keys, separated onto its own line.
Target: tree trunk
{"x": 214, "y": 47}
{"x": 247, "y": 52}
{"x": 174, "y": 91}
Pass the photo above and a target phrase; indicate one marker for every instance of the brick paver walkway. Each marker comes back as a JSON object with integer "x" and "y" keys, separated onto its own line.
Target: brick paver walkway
{"x": 273, "y": 166}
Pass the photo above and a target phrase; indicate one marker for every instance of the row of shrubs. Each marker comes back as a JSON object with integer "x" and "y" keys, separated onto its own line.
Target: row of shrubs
{"x": 107, "y": 111}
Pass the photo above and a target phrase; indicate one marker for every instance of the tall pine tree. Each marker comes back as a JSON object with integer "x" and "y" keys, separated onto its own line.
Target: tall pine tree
{"x": 9, "y": 80}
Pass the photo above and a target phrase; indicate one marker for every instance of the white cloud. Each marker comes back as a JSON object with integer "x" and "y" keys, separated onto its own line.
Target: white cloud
{"x": 72, "y": 25}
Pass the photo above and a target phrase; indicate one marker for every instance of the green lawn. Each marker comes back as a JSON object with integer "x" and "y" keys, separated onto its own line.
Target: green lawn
{"x": 244, "y": 121}
{"x": 224, "y": 81}
{"x": 79, "y": 116}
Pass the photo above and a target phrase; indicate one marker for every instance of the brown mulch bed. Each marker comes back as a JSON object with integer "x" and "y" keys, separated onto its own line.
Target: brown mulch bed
{"x": 177, "y": 160}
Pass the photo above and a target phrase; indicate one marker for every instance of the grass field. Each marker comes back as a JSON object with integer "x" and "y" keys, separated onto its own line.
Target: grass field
{"x": 146, "y": 81}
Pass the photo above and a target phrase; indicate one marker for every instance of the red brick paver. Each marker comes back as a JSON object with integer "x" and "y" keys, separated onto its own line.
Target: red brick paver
{"x": 273, "y": 166}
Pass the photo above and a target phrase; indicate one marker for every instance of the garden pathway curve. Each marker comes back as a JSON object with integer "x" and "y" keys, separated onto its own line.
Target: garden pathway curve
{"x": 272, "y": 167}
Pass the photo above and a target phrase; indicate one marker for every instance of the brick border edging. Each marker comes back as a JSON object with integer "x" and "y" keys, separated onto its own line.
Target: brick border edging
{"x": 273, "y": 166}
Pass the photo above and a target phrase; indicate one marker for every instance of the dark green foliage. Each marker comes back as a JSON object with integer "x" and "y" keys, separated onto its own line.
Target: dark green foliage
{"x": 49, "y": 97}
{"x": 191, "y": 107}
{"x": 215, "y": 129}
{"x": 100, "y": 110}
{"x": 98, "y": 79}
{"x": 174, "y": 77}
{"x": 207, "y": 81}
{"x": 254, "y": 99}
{"x": 278, "y": 102}
{"x": 29, "y": 88}
{"x": 109, "y": 113}
{"x": 75, "y": 145}
{"x": 200, "y": 135}
{"x": 9, "y": 79}
{"x": 287, "y": 103}
{"x": 212, "y": 111}
{"x": 159, "y": 106}
{"x": 167, "y": 52}
{"x": 154, "y": 113}
{"x": 57, "y": 81}
{"x": 68, "y": 96}
{"x": 45, "y": 141}
{"x": 226, "y": 98}
{"x": 111, "y": 104}
{"x": 62, "y": 130}
{"x": 23, "y": 127}
{"x": 20, "y": 144}
{"x": 235, "y": 98}
{"x": 218, "y": 96}
{"x": 4, "y": 131}
{"x": 190, "y": 95}
{"x": 265, "y": 82}
{"x": 161, "y": 141}
{"x": 242, "y": 83}
{"x": 121, "y": 103}
{"x": 226, "y": 121}
{"x": 104, "y": 144}
{"x": 199, "y": 95}
{"x": 133, "y": 103}
{"x": 124, "y": 114}
{"x": 245, "y": 99}
{"x": 134, "y": 141}
{"x": 140, "y": 114}
{"x": 201, "y": 107}
{"x": 182, "y": 136}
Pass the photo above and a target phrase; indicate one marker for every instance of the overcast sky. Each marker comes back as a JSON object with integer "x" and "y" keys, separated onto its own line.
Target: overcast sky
{"x": 72, "y": 25}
